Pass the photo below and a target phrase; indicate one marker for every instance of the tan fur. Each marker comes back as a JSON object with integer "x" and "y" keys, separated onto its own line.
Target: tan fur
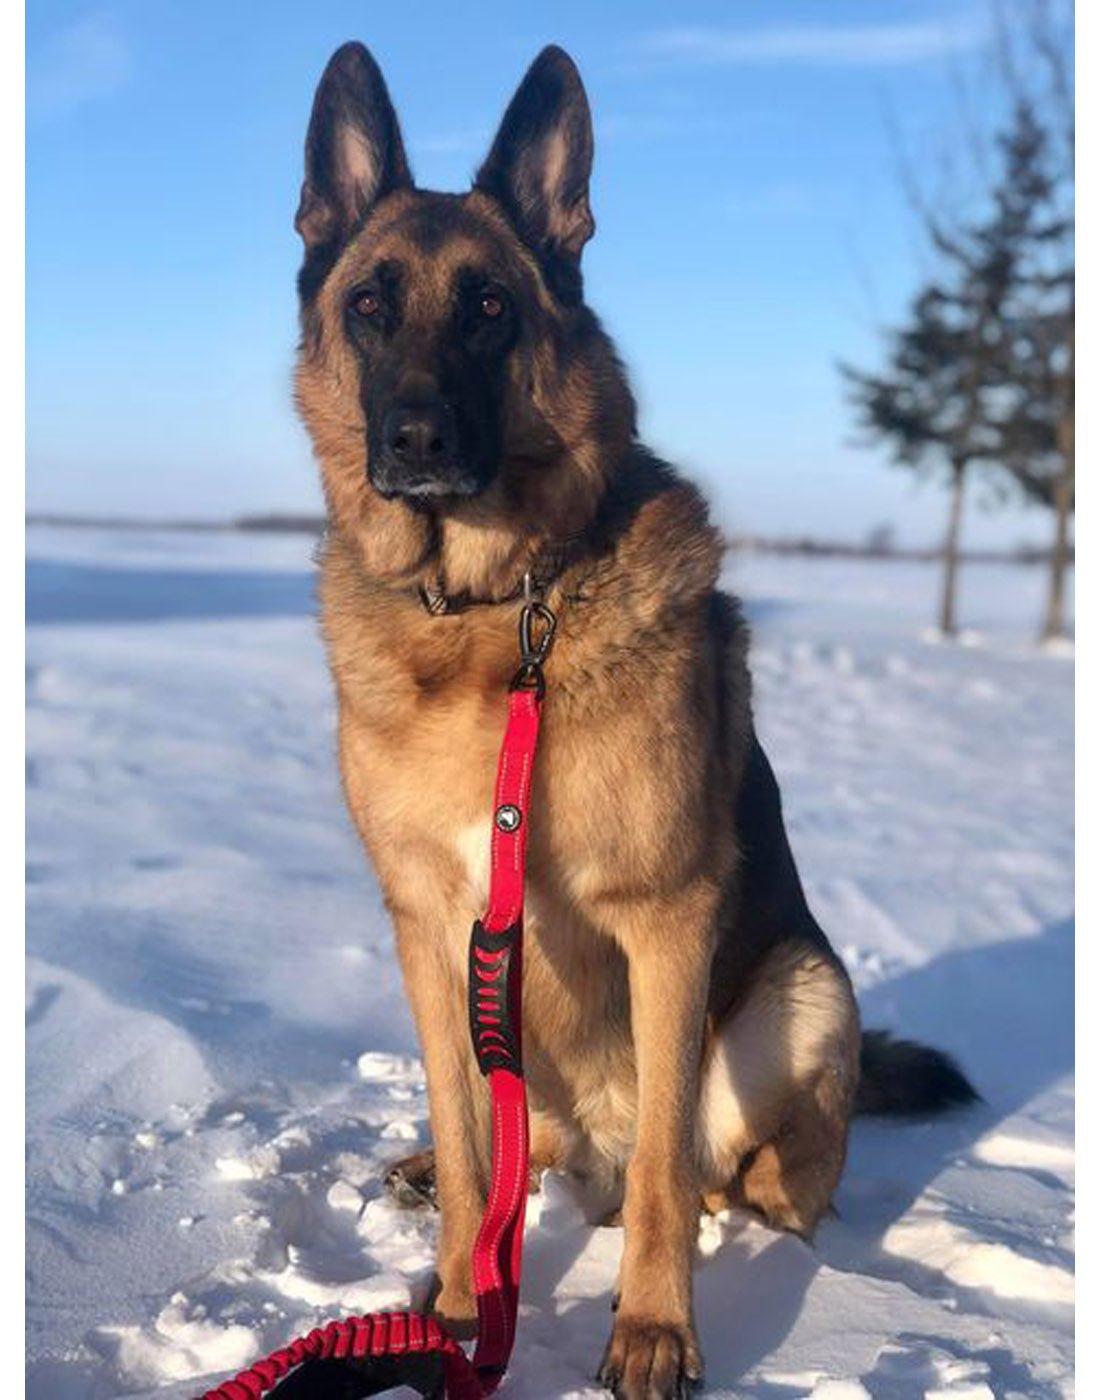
{"x": 797, "y": 1016}
{"x": 633, "y": 850}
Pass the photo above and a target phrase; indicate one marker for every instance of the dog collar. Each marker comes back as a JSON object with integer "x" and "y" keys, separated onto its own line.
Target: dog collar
{"x": 545, "y": 570}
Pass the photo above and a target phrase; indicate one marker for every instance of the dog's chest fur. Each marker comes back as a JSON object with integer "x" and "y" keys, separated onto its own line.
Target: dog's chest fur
{"x": 419, "y": 773}
{"x": 629, "y": 798}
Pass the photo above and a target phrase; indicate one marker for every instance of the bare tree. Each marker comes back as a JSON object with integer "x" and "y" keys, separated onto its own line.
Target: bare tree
{"x": 1039, "y": 427}
{"x": 982, "y": 372}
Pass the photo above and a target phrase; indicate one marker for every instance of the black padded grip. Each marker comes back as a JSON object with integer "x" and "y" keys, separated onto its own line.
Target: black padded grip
{"x": 491, "y": 996}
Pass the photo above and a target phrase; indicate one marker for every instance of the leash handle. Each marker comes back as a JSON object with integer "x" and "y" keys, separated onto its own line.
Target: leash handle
{"x": 393, "y": 1348}
{"x": 362, "y": 1355}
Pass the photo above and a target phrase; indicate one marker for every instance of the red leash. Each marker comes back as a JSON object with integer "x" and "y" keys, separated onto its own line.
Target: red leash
{"x": 361, "y": 1356}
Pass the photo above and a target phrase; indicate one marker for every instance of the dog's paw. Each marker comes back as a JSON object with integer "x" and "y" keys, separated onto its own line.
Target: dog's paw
{"x": 453, "y": 1307}
{"x": 649, "y": 1360}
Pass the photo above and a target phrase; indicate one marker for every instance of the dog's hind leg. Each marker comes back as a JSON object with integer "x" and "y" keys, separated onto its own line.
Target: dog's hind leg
{"x": 778, "y": 1089}
{"x": 411, "y": 1181}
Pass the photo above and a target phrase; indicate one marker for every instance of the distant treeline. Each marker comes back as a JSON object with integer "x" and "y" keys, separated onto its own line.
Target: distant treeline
{"x": 807, "y": 546}
{"x": 271, "y": 524}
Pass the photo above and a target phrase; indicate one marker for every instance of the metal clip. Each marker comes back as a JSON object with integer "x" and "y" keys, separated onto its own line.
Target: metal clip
{"x": 534, "y": 649}
{"x": 537, "y": 625}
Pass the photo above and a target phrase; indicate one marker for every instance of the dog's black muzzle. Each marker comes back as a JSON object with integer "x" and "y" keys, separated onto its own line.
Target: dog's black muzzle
{"x": 419, "y": 455}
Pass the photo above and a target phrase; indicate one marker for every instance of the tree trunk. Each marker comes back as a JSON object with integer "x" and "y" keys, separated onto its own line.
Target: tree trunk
{"x": 1055, "y": 624}
{"x": 951, "y": 551}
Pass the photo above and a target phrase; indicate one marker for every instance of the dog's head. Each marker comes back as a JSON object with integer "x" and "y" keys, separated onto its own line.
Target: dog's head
{"x": 449, "y": 369}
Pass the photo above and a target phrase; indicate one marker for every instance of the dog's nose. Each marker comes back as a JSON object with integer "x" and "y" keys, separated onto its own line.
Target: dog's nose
{"x": 421, "y": 436}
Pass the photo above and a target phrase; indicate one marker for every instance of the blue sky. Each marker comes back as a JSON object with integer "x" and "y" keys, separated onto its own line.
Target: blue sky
{"x": 752, "y": 230}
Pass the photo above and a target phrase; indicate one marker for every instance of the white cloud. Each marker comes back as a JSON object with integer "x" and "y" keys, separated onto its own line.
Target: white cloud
{"x": 865, "y": 45}
{"x": 85, "y": 60}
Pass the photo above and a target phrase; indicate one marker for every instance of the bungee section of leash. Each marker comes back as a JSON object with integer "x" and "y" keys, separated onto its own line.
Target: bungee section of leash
{"x": 361, "y": 1356}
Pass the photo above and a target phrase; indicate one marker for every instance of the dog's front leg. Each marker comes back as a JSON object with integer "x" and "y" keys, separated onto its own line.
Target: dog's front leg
{"x": 653, "y": 1352}
{"x": 459, "y": 1106}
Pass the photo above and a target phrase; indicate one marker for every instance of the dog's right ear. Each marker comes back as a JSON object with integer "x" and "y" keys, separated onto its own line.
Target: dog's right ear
{"x": 354, "y": 152}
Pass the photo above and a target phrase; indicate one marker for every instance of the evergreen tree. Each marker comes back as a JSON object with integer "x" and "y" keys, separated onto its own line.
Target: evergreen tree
{"x": 931, "y": 403}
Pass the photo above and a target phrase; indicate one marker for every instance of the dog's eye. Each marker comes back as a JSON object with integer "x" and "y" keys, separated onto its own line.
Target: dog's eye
{"x": 491, "y": 306}
{"x": 365, "y": 303}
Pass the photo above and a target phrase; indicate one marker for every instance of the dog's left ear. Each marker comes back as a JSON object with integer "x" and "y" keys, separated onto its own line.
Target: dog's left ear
{"x": 540, "y": 164}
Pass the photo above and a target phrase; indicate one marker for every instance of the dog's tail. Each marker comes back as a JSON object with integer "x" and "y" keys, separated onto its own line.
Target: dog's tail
{"x": 901, "y": 1079}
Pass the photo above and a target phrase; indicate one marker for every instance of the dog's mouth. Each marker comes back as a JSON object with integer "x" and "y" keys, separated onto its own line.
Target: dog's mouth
{"x": 430, "y": 474}
{"x": 428, "y": 492}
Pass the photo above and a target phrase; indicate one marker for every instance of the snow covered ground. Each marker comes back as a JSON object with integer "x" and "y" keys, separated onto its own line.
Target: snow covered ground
{"x": 220, "y": 1061}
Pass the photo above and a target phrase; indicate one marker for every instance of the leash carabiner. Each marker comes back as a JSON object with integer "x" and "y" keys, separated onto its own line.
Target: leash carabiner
{"x": 537, "y": 625}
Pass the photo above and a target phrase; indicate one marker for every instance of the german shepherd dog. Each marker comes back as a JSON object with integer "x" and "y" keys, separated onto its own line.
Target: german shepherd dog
{"x": 690, "y": 1037}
